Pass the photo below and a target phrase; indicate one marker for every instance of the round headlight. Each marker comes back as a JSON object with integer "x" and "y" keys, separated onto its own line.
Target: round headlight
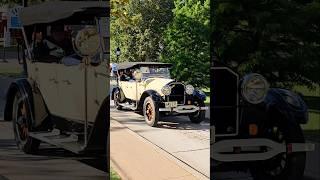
{"x": 189, "y": 89}
{"x": 254, "y": 88}
{"x": 166, "y": 90}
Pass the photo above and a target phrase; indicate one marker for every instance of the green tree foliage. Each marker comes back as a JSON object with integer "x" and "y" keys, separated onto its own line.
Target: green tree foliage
{"x": 279, "y": 39}
{"x": 164, "y": 30}
{"x": 137, "y": 27}
{"x": 187, "y": 41}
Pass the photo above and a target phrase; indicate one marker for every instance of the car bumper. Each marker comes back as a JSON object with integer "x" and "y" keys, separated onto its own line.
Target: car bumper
{"x": 234, "y": 150}
{"x": 184, "y": 109}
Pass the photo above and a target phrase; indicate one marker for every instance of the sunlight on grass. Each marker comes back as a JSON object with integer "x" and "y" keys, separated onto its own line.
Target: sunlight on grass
{"x": 308, "y": 92}
{"x": 10, "y": 69}
{"x": 207, "y": 92}
{"x": 314, "y": 121}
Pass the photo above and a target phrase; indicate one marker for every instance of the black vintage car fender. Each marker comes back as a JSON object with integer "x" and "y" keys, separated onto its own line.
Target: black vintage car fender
{"x": 199, "y": 95}
{"x": 155, "y": 97}
{"x": 22, "y": 86}
{"x": 289, "y": 104}
{"x": 116, "y": 90}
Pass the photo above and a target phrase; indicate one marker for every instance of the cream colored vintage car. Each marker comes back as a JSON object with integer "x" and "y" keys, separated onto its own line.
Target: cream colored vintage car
{"x": 147, "y": 86}
{"x": 64, "y": 99}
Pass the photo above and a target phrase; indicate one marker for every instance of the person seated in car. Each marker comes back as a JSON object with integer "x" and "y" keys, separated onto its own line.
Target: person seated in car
{"x": 60, "y": 45}
{"x": 40, "y": 48}
{"x": 123, "y": 76}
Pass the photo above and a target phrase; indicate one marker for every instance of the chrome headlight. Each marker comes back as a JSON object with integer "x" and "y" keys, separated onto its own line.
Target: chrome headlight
{"x": 189, "y": 89}
{"x": 254, "y": 88}
{"x": 166, "y": 90}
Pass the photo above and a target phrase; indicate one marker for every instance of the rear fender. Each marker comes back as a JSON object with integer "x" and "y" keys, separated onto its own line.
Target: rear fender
{"x": 22, "y": 86}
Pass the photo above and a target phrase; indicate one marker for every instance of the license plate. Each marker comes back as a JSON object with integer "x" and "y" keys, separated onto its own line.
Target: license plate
{"x": 171, "y": 104}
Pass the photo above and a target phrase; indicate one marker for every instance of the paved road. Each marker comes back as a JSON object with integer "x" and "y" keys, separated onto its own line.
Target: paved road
{"x": 187, "y": 142}
{"x": 49, "y": 163}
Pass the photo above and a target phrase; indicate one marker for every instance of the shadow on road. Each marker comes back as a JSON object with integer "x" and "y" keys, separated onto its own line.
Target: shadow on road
{"x": 10, "y": 152}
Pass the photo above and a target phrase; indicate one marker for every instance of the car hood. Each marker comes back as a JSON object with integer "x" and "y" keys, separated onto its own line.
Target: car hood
{"x": 156, "y": 84}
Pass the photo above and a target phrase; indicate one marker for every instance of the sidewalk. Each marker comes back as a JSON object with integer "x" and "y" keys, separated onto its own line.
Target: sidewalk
{"x": 133, "y": 157}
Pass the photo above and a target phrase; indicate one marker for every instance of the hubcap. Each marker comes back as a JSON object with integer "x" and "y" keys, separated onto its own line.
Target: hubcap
{"x": 149, "y": 112}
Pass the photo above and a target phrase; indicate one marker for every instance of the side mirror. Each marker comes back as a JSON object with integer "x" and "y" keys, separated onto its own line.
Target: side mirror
{"x": 87, "y": 42}
{"x": 137, "y": 75}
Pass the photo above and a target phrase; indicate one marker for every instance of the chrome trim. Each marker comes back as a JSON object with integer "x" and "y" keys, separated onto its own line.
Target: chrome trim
{"x": 237, "y": 105}
{"x": 184, "y": 109}
{"x": 223, "y": 150}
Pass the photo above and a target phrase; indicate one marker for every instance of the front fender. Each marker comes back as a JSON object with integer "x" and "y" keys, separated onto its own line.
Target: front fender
{"x": 288, "y": 104}
{"x": 155, "y": 96}
{"x": 199, "y": 95}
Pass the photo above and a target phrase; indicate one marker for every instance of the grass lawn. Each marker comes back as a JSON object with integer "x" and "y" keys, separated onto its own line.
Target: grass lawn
{"x": 114, "y": 175}
{"x": 207, "y": 92}
{"x": 314, "y": 121}
{"x": 12, "y": 69}
{"x": 313, "y": 98}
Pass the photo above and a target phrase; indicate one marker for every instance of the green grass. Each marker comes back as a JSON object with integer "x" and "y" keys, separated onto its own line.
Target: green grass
{"x": 207, "y": 92}
{"x": 314, "y": 121}
{"x": 114, "y": 175}
{"x": 308, "y": 92}
{"x": 10, "y": 69}
{"x": 312, "y": 98}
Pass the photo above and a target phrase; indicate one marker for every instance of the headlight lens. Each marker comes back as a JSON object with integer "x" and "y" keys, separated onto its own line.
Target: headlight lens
{"x": 254, "y": 88}
{"x": 189, "y": 89}
{"x": 166, "y": 90}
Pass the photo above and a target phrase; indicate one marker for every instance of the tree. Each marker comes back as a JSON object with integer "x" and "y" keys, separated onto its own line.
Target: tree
{"x": 137, "y": 27}
{"x": 279, "y": 39}
{"x": 187, "y": 40}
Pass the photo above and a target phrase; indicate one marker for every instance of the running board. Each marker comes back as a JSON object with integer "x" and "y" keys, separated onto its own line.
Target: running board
{"x": 250, "y": 149}
{"x": 126, "y": 105}
{"x": 68, "y": 142}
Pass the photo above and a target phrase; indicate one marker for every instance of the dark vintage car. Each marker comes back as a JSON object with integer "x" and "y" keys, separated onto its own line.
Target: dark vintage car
{"x": 256, "y": 127}
{"x": 64, "y": 99}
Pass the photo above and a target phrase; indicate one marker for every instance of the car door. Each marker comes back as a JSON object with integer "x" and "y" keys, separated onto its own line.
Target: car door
{"x": 45, "y": 76}
{"x": 71, "y": 90}
{"x": 129, "y": 89}
{"x": 73, "y": 94}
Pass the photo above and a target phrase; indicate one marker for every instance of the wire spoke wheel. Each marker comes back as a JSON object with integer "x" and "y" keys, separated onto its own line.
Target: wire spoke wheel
{"x": 22, "y": 128}
{"x": 22, "y": 125}
{"x": 151, "y": 111}
{"x": 287, "y": 165}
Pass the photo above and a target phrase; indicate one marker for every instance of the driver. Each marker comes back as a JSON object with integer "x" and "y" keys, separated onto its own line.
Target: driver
{"x": 60, "y": 45}
{"x": 59, "y": 42}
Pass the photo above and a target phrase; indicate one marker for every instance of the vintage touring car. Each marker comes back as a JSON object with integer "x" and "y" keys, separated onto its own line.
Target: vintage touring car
{"x": 256, "y": 127}
{"x": 64, "y": 99}
{"x": 147, "y": 86}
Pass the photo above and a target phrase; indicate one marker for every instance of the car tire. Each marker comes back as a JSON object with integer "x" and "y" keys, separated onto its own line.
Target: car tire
{"x": 116, "y": 100}
{"x": 21, "y": 119}
{"x": 151, "y": 112}
{"x": 294, "y": 162}
{"x": 198, "y": 116}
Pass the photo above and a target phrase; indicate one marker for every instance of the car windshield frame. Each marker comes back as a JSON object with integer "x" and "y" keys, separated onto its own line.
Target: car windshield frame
{"x": 150, "y": 71}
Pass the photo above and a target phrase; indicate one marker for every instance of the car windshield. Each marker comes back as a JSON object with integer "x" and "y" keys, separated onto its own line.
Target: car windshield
{"x": 150, "y": 71}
